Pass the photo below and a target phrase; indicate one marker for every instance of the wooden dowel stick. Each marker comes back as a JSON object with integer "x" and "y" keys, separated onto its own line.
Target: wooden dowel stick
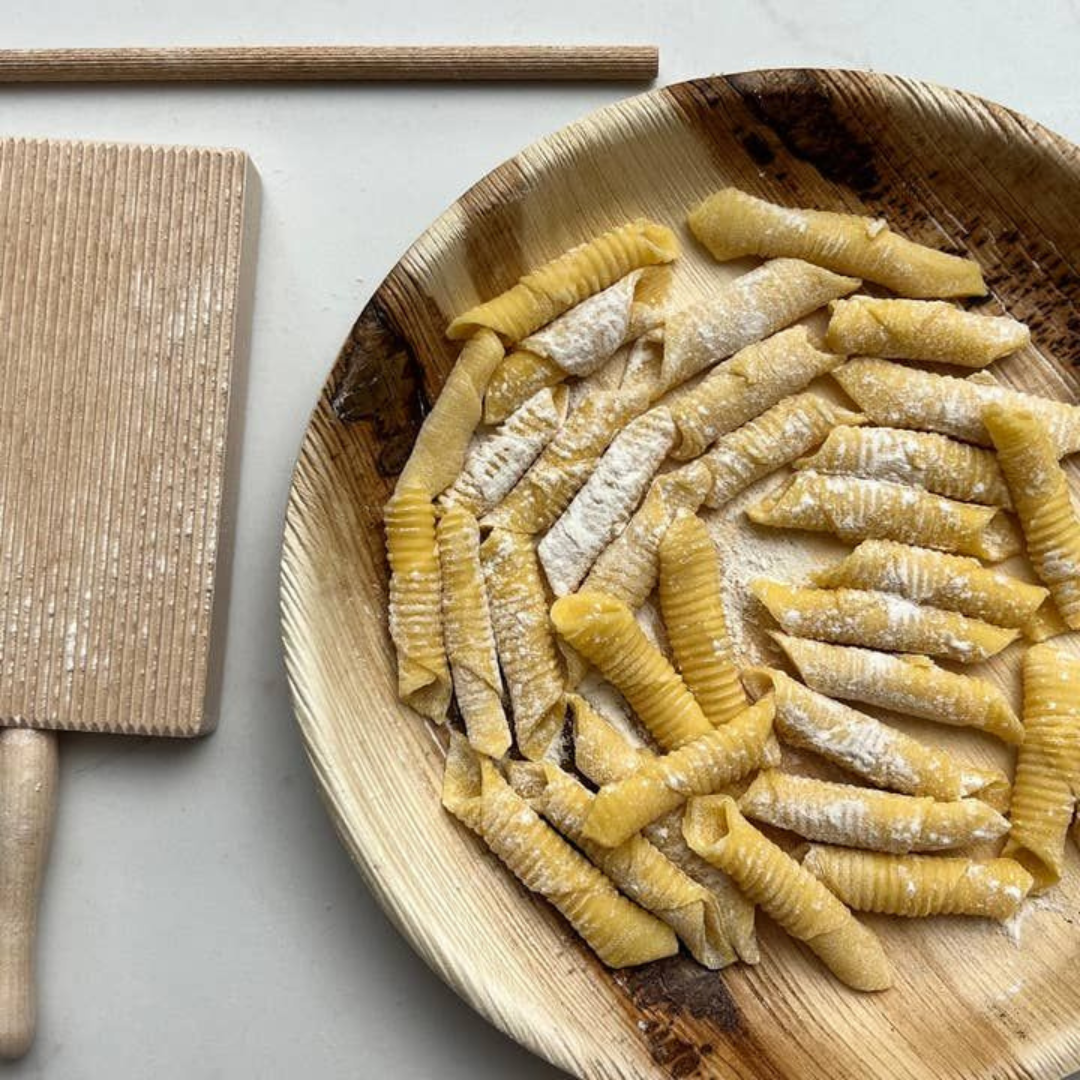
{"x": 332, "y": 62}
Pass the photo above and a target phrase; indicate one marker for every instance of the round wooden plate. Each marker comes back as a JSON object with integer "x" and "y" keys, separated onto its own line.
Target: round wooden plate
{"x": 946, "y": 169}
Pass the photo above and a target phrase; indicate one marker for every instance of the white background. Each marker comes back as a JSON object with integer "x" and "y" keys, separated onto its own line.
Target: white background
{"x": 201, "y": 919}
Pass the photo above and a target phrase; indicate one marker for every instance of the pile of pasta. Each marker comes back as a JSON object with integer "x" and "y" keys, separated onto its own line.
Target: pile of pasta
{"x": 563, "y": 483}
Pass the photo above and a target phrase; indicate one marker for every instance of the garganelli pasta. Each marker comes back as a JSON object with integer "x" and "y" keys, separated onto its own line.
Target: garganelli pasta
{"x": 470, "y": 641}
{"x": 661, "y": 784}
{"x": 745, "y": 310}
{"x": 865, "y": 817}
{"x": 694, "y": 617}
{"x": 619, "y": 932}
{"x": 920, "y": 885}
{"x": 753, "y": 380}
{"x": 925, "y": 459}
{"x": 732, "y": 224}
{"x": 791, "y": 895}
{"x": 1048, "y": 769}
{"x": 880, "y": 620}
{"x": 899, "y": 396}
{"x": 953, "y": 582}
{"x": 854, "y": 508}
{"x": 547, "y": 292}
{"x": 1040, "y": 493}
{"x": 415, "y": 603}
{"x": 776, "y": 438}
{"x": 922, "y": 330}
{"x": 526, "y": 646}
{"x": 905, "y": 684}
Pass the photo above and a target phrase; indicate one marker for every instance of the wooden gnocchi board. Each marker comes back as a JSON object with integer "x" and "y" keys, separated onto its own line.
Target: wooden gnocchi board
{"x": 971, "y": 999}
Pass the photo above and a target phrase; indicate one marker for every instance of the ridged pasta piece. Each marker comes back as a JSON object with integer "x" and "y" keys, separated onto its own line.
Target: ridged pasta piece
{"x": 880, "y": 620}
{"x": 751, "y": 307}
{"x": 792, "y": 896}
{"x": 578, "y": 342}
{"x": 415, "y": 605}
{"x": 442, "y": 442}
{"x": 663, "y": 783}
{"x": 914, "y": 685}
{"x": 693, "y": 614}
{"x": 774, "y": 439}
{"x": 545, "y": 293}
{"x": 606, "y": 634}
{"x": 499, "y": 461}
{"x": 604, "y": 756}
{"x": 545, "y": 491}
{"x": 603, "y": 506}
{"x": 854, "y": 509}
{"x": 618, "y": 931}
{"x": 732, "y": 224}
{"x": 923, "y": 458}
{"x": 470, "y": 640}
{"x": 527, "y": 650}
{"x": 640, "y": 870}
{"x": 899, "y": 396}
{"x": 873, "y": 751}
{"x": 865, "y": 817}
{"x": 919, "y": 885}
{"x": 952, "y": 582}
{"x": 629, "y": 566}
{"x": 1048, "y": 769}
{"x": 1040, "y": 493}
{"x": 922, "y": 330}
{"x": 753, "y": 380}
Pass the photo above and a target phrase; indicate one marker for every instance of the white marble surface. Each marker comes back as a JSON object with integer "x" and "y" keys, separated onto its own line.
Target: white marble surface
{"x": 201, "y": 919}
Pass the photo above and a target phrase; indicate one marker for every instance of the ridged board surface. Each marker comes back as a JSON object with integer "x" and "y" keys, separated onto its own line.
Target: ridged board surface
{"x": 119, "y": 277}
{"x": 946, "y": 169}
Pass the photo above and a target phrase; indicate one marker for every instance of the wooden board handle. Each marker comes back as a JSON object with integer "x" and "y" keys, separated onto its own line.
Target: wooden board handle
{"x": 636, "y": 63}
{"x": 28, "y": 768}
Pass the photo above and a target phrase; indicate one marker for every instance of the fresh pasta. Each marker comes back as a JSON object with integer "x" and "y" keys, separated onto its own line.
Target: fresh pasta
{"x": 603, "y": 630}
{"x": 1048, "y": 769}
{"x": 441, "y": 445}
{"x": 526, "y": 647}
{"x": 498, "y": 462}
{"x": 787, "y": 892}
{"x": 1040, "y": 493}
{"x": 578, "y": 342}
{"x": 925, "y": 459}
{"x": 545, "y": 293}
{"x": 880, "y": 620}
{"x": 791, "y": 428}
{"x": 899, "y": 396}
{"x": 663, "y": 783}
{"x": 953, "y": 582}
{"x": 854, "y": 508}
{"x": 919, "y": 885}
{"x": 618, "y": 931}
{"x": 922, "y": 330}
{"x": 564, "y": 465}
{"x": 603, "y": 755}
{"x": 865, "y": 747}
{"x": 732, "y": 224}
{"x": 640, "y": 870}
{"x": 470, "y": 640}
{"x": 603, "y": 506}
{"x": 415, "y": 602}
{"x": 904, "y": 684}
{"x": 865, "y": 817}
{"x": 754, "y": 379}
{"x": 743, "y": 311}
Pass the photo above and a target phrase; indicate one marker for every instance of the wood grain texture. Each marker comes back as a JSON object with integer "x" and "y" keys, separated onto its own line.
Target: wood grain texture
{"x": 355, "y": 63}
{"x": 946, "y": 169}
{"x": 119, "y": 271}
